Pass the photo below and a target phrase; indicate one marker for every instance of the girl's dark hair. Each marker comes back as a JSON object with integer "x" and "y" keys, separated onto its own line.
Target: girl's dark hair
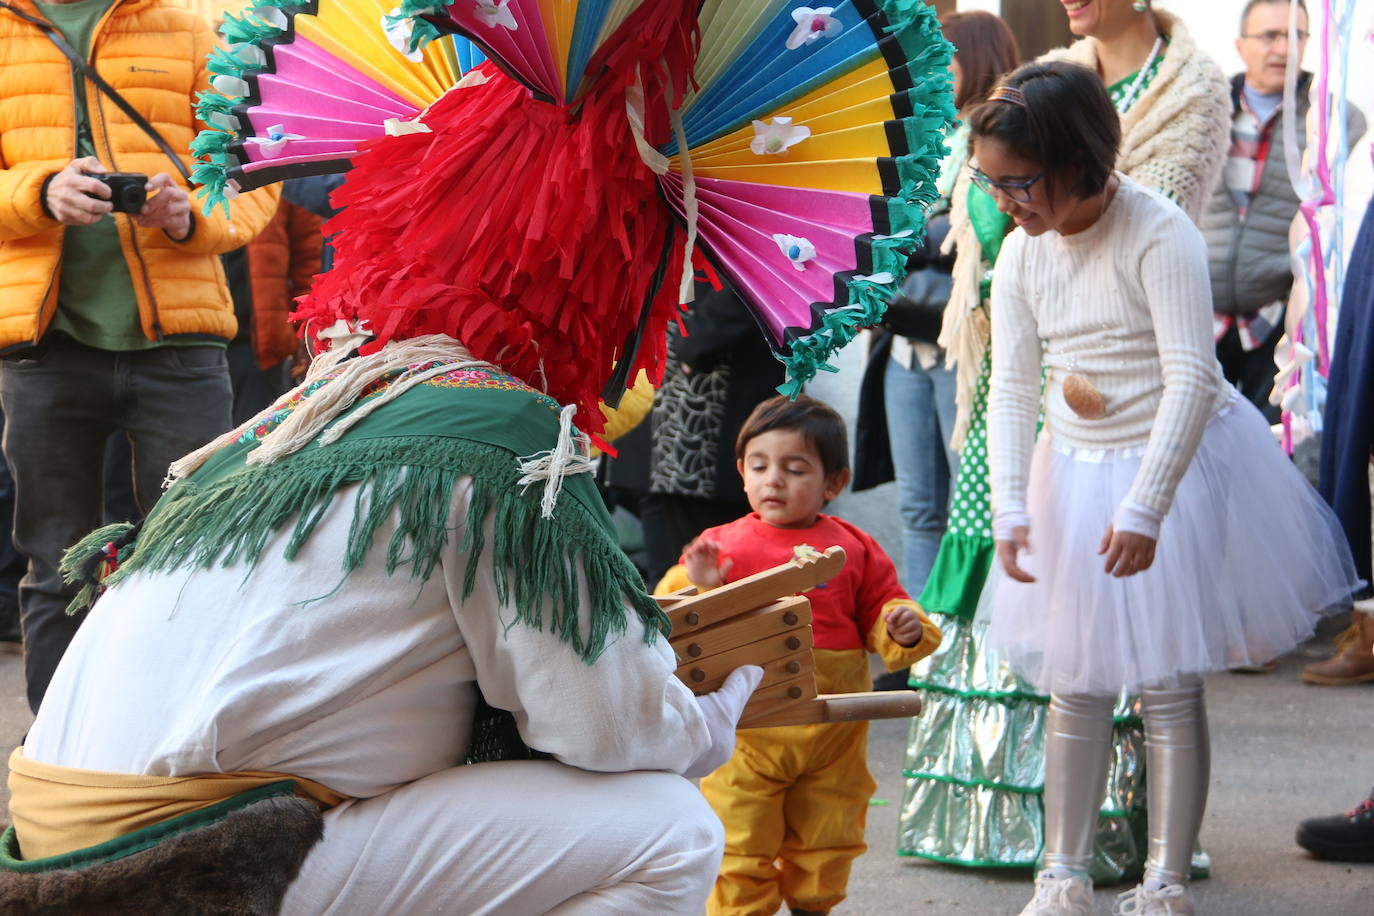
{"x": 1067, "y": 124}
{"x": 818, "y": 423}
{"x": 985, "y": 49}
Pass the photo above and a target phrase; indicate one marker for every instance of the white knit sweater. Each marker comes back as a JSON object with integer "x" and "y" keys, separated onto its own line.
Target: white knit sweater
{"x": 1125, "y": 304}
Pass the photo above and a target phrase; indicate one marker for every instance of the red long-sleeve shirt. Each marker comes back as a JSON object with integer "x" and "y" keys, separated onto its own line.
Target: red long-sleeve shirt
{"x": 844, "y": 609}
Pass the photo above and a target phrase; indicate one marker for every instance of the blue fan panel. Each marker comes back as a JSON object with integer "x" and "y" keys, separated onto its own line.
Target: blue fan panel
{"x": 591, "y": 16}
{"x": 750, "y": 86}
{"x": 469, "y": 55}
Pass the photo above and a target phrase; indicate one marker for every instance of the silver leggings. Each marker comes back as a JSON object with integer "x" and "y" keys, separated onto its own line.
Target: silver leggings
{"x": 1078, "y": 736}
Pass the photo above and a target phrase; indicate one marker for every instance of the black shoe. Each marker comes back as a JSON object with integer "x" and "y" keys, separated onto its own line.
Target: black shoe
{"x": 1341, "y": 837}
{"x": 797, "y": 912}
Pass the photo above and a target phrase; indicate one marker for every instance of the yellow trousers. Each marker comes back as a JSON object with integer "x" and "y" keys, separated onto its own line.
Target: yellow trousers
{"x": 793, "y": 800}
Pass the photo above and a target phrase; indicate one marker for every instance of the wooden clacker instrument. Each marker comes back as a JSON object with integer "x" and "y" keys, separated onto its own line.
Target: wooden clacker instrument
{"x": 763, "y": 620}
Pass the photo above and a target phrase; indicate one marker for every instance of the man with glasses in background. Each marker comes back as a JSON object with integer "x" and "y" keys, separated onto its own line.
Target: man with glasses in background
{"x": 1246, "y": 221}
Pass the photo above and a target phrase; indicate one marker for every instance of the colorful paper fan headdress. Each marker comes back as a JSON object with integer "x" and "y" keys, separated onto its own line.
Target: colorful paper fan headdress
{"x": 538, "y": 207}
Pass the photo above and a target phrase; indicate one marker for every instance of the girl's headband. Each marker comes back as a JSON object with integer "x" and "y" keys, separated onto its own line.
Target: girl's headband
{"x": 1009, "y": 94}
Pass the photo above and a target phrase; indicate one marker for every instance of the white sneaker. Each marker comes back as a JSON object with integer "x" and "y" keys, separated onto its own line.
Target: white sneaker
{"x": 1169, "y": 900}
{"x": 1057, "y": 894}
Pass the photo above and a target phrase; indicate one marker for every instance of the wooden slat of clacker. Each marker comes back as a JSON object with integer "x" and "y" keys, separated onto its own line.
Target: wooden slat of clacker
{"x": 762, "y": 620}
{"x": 779, "y": 618}
{"x": 698, "y": 611}
{"x": 786, "y": 655}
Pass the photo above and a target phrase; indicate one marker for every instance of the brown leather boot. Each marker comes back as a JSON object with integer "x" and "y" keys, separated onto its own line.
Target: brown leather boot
{"x": 1353, "y": 662}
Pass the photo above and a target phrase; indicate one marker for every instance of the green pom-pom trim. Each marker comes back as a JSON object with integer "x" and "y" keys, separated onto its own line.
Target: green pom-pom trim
{"x": 210, "y": 144}
{"x": 914, "y": 25}
{"x": 211, "y": 150}
{"x": 891, "y": 254}
{"x": 211, "y": 147}
{"x": 212, "y": 103}
{"x": 916, "y": 28}
{"x": 811, "y": 353}
{"x": 247, "y": 29}
{"x": 224, "y": 62}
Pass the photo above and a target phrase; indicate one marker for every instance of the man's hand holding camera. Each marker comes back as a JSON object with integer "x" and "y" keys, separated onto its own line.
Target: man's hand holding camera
{"x": 168, "y": 207}
{"x": 77, "y": 196}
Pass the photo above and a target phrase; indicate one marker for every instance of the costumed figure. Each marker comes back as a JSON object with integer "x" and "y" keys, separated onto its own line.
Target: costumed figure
{"x": 1131, "y": 557}
{"x": 794, "y": 798}
{"x": 403, "y": 565}
{"x": 975, "y": 763}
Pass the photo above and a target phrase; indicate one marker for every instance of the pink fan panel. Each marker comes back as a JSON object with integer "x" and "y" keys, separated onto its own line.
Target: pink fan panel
{"x": 738, "y": 220}
{"x": 525, "y": 47}
{"x": 345, "y": 105}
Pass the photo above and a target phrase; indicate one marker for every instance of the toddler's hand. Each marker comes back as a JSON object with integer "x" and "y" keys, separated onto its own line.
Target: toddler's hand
{"x": 1127, "y": 552}
{"x": 904, "y": 626}
{"x": 704, "y": 566}
{"x": 1007, "y": 552}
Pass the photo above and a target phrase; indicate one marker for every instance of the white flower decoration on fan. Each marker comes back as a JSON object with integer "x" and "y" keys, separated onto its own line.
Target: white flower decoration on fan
{"x": 796, "y": 249}
{"x": 773, "y": 139}
{"x": 398, "y": 32}
{"x": 813, "y": 25}
{"x": 494, "y": 13}
{"x": 276, "y": 140}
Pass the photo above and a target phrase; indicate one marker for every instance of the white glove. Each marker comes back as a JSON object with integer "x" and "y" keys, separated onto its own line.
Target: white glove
{"x": 721, "y": 709}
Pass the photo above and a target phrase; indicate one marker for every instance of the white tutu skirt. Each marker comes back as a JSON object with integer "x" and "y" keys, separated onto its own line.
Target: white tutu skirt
{"x": 1248, "y": 559}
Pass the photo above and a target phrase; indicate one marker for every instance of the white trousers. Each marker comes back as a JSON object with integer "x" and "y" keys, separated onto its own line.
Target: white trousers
{"x": 518, "y": 839}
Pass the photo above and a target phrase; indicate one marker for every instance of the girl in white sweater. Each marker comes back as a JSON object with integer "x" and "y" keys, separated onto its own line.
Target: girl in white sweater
{"x": 1155, "y": 531}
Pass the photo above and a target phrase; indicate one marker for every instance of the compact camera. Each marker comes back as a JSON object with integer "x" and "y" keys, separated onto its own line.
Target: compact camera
{"x": 128, "y": 190}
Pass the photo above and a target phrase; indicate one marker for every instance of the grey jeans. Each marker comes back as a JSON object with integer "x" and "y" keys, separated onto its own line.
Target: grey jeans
{"x": 60, "y": 406}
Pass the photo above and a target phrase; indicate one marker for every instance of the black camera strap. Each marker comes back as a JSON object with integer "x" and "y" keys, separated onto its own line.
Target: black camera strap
{"x": 111, "y": 92}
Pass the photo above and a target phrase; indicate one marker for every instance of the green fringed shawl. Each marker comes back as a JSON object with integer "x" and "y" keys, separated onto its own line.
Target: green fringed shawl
{"x": 408, "y": 456}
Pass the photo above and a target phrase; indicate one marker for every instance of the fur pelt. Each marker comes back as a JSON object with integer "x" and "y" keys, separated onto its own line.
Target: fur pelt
{"x": 238, "y": 866}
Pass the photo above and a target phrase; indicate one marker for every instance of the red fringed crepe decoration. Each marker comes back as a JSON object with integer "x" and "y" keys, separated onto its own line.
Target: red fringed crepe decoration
{"x": 529, "y": 231}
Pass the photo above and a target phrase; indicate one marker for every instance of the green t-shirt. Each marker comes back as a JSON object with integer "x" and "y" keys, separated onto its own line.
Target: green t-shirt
{"x": 95, "y": 296}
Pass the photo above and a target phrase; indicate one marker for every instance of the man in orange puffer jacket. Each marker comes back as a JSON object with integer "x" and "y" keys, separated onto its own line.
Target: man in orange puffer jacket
{"x": 109, "y": 322}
